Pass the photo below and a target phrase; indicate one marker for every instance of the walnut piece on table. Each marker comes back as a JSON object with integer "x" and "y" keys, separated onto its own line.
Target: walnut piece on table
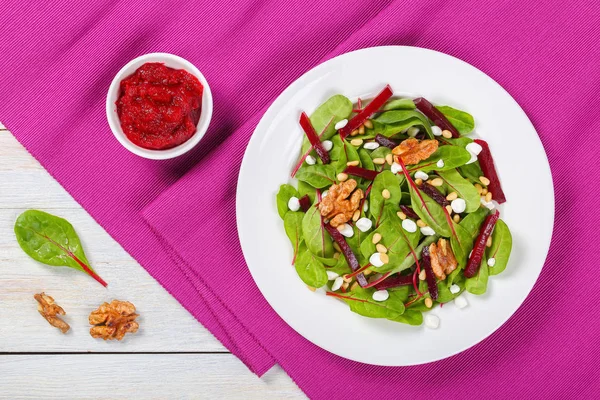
{"x": 412, "y": 151}
{"x": 49, "y": 310}
{"x": 114, "y": 320}
{"x": 443, "y": 261}
{"x": 341, "y": 202}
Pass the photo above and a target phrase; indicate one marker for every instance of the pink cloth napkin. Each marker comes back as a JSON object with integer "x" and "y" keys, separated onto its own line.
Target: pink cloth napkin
{"x": 177, "y": 218}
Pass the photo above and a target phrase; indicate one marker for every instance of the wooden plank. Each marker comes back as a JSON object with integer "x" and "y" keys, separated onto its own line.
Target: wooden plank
{"x": 137, "y": 376}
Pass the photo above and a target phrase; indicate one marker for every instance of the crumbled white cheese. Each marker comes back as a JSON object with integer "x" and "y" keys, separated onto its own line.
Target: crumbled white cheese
{"x": 454, "y": 288}
{"x": 458, "y": 205}
{"x": 341, "y": 124}
{"x": 294, "y": 204}
{"x": 427, "y": 231}
{"x": 364, "y": 224}
{"x": 409, "y": 225}
{"x": 327, "y": 145}
{"x": 331, "y": 275}
{"x": 375, "y": 260}
{"x": 339, "y": 281}
{"x": 421, "y": 175}
{"x": 491, "y": 261}
{"x": 371, "y": 145}
{"x": 310, "y": 160}
{"x": 396, "y": 168}
{"x": 440, "y": 163}
{"x": 381, "y": 295}
{"x": 437, "y": 131}
{"x": 347, "y": 230}
{"x": 461, "y": 302}
{"x": 432, "y": 321}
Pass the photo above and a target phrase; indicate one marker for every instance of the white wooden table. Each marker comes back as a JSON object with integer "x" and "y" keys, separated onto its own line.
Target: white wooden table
{"x": 172, "y": 356}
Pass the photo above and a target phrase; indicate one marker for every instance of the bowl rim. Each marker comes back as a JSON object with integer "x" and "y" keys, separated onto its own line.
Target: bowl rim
{"x": 172, "y": 61}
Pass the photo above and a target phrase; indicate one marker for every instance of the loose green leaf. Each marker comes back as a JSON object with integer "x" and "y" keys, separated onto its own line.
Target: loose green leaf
{"x": 409, "y": 260}
{"x": 337, "y": 107}
{"x": 461, "y": 120}
{"x": 292, "y": 223}
{"x": 444, "y": 293}
{"x": 53, "y": 241}
{"x": 464, "y": 189}
{"x": 399, "y": 104}
{"x": 316, "y": 238}
{"x": 462, "y": 244}
{"x": 402, "y": 117}
{"x": 385, "y": 180}
{"x": 306, "y": 189}
{"x": 478, "y": 283}
{"x": 310, "y": 269}
{"x": 361, "y": 302}
{"x": 472, "y": 222}
{"x": 453, "y": 157}
{"x": 286, "y": 192}
{"x": 501, "y": 247}
{"x": 410, "y": 317}
{"x": 431, "y": 212}
{"x": 471, "y": 172}
{"x": 347, "y": 153}
{"x": 318, "y": 176}
{"x": 341, "y": 267}
{"x": 365, "y": 159}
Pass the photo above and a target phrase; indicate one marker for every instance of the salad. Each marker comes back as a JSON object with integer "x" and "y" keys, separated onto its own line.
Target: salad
{"x": 394, "y": 211}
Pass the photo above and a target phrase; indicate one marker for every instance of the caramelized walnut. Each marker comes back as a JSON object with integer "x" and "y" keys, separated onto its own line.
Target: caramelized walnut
{"x": 412, "y": 151}
{"x": 341, "y": 202}
{"x": 442, "y": 259}
{"x": 49, "y": 310}
{"x": 114, "y": 320}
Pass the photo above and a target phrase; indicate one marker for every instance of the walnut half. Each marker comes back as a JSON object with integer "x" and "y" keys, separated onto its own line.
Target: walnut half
{"x": 341, "y": 202}
{"x": 443, "y": 261}
{"x": 114, "y": 320}
{"x": 413, "y": 151}
{"x": 49, "y": 310}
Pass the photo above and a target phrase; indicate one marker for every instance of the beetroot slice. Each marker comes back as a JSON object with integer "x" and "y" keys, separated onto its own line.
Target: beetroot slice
{"x": 435, "y": 115}
{"x": 474, "y": 262}
{"x": 435, "y": 194}
{"x": 313, "y": 138}
{"x": 385, "y": 142}
{"x": 366, "y": 112}
{"x": 409, "y": 212}
{"x": 304, "y": 203}
{"x": 361, "y": 172}
{"x": 395, "y": 280}
{"x": 487, "y": 166}
{"x": 350, "y": 257}
{"x": 429, "y": 276}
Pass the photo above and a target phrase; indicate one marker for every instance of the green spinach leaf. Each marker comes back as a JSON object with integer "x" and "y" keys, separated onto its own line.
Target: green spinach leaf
{"x": 462, "y": 121}
{"x": 478, "y": 283}
{"x": 306, "y": 189}
{"x": 410, "y": 317}
{"x": 399, "y": 104}
{"x": 337, "y": 107}
{"x": 471, "y": 172}
{"x": 365, "y": 159}
{"x": 316, "y": 238}
{"x": 318, "y": 176}
{"x": 501, "y": 247}
{"x": 292, "y": 223}
{"x": 385, "y": 180}
{"x": 462, "y": 244}
{"x": 398, "y": 118}
{"x": 310, "y": 269}
{"x": 53, "y": 241}
{"x": 286, "y": 192}
{"x": 453, "y": 157}
{"x": 430, "y": 212}
{"x": 361, "y": 302}
{"x": 472, "y": 222}
{"x": 464, "y": 189}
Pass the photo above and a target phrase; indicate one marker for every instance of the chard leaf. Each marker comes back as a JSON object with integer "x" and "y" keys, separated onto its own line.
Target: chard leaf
{"x": 453, "y": 157}
{"x": 462, "y": 121}
{"x": 410, "y": 317}
{"x": 464, "y": 189}
{"x": 318, "y": 176}
{"x": 292, "y": 223}
{"x": 384, "y": 180}
{"x": 501, "y": 247}
{"x": 430, "y": 212}
{"x": 316, "y": 238}
{"x": 286, "y": 192}
{"x": 399, "y": 104}
{"x": 399, "y": 118}
{"x": 472, "y": 222}
{"x": 361, "y": 302}
{"x": 310, "y": 269}
{"x": 337, "y": 107}
{"x": 462, "y": 244}
{"x": 478, "y": 284}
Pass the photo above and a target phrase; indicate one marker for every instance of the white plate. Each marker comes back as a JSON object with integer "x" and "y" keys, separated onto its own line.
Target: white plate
{"x": 521, "y": 163}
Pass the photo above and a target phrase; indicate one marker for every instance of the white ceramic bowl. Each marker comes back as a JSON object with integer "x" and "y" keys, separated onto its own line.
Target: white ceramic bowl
{"x": 171, "y": 61}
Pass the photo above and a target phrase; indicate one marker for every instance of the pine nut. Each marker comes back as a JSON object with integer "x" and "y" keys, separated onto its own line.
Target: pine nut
{"x": 376, "y": 238}
{"x": 484, "y": 180}
{"x": 379, "y": 161}
{"x": 369, "y": 124}
{"x": 436, "y": 182}
{"x": 354, "y": 285}
{"x": 478, "y": 187}
{"x": 389, "y": 159}
{"x": 422, "y": 275}
{"x": 456, "y": 218}
{"x": 356, "y": 142}
{"x": 401, "y": 215}
{"x": 484, "y": 191}
{"x": 381, "y": 248}
{"x": 428, "y": 302}
{"x": 384, "y": 258}
{"x": 421, "y": 224}
{"x": 336, "y": 255}
{"x": 337, "y": 247}
{"x": 354, "y": 132}
{"x": 345, "y": 285}
{"x": 447, "y": 134}
{"x": 342, "y": 176}
{"x": 488, "y": 197}
{"x": 452, "y": 196}
{"x": 489, "y": 242}
{"x": 347, "y": 278}
{"x": 386, "y": 194}
{"x": 449, "y": 209}
{"x": 418, "y": 181}
{"x": 353, "y": 163}
{"x": 341, "y": 227}
{"x": 361, "y": 130}
{"x": 312, "y": 289}
{"x": 367, "y": 272}
{"x": 356, "y": 216}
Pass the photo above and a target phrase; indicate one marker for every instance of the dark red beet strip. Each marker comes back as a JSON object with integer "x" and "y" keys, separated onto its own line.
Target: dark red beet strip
{"x": 366, "y": 112}
{"x": 487, "y": 166}
{"x": 435, "y": 115}
{"x": 350, "y": 257}
{"x": 435, "y": 194}
{"x": 429, "y": 276}
{"x": 304, "y": 203}
{"x": 361, "y": 172}
{"x": 385, "y": 142}
{"x": 395, "y": 281}
{"x": 297, "y": 167}
{"x": 410, "y": 213}
{"x": 313, "y": 138}
{"x": 474, "y": 262}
